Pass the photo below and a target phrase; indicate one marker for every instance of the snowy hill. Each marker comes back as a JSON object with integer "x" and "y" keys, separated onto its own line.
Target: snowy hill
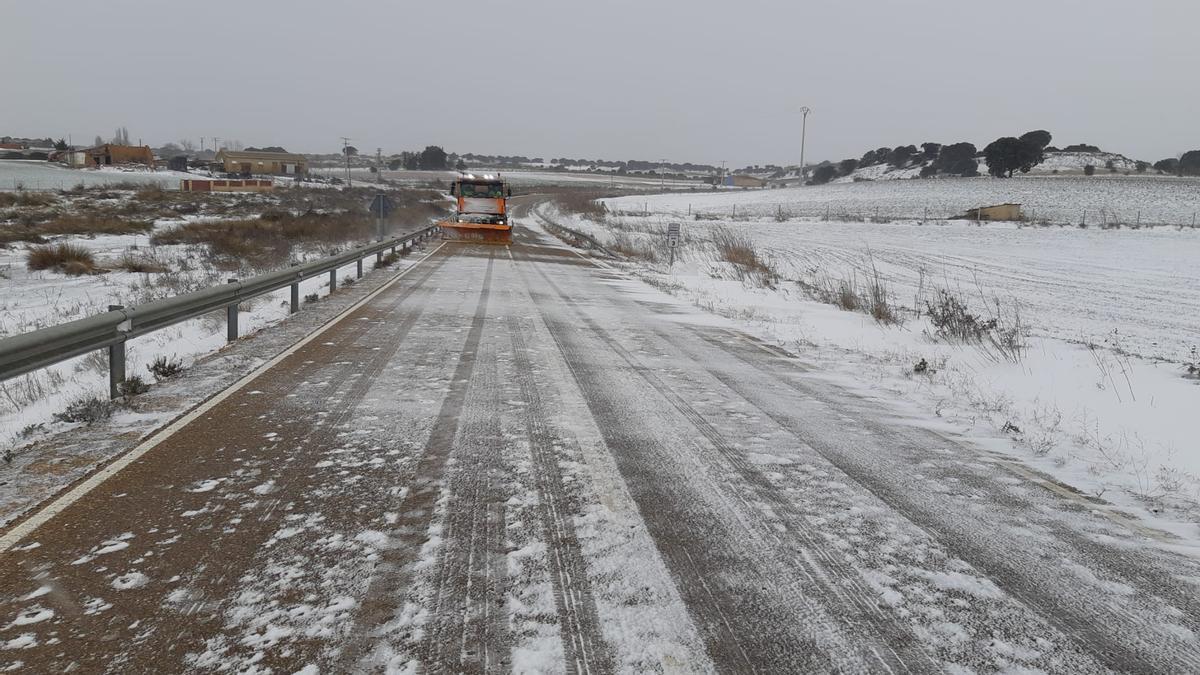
{"x": 1055, "y": 163}
{"x": 1074, "y": 162}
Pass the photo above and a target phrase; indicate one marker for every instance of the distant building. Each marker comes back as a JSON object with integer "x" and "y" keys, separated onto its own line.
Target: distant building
{"x": 258, "y": 162}
{"x": 74, "y": 158}
{"x": 110, "y": 154}
{"x": 227, "y": 185}
{"x": 1005, "y": 212}
{"x": 742, "y": 180}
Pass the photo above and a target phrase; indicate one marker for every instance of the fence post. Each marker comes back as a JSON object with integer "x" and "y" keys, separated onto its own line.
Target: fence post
{"x": 358, "y": 268}
{"x": 116, "y": 362}
{"x": 332, "y": 280}
{"x": 231, "y": 319}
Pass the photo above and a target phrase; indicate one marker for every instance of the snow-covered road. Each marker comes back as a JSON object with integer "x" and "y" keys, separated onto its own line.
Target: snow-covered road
{"x": 514, "y": 459}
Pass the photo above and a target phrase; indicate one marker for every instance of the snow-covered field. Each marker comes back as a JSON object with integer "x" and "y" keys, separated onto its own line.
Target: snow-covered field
{"x": 520, "y": 178}
{"x": 1060, "y": 200}
{"x": 30, "y": 300}
{"x": 1100, "y": 398}
{"x": 41, "y": 175}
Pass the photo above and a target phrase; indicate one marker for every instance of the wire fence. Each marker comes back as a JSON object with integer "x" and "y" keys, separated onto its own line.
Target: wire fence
{"x": 1103, "y": 217}
{"x": 108, "y": 181}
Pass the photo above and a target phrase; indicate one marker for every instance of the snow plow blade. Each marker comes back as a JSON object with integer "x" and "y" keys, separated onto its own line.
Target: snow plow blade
{"x": 483, "y": 233}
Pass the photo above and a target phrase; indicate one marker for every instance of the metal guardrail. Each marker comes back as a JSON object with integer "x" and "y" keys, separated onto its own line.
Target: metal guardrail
{"x": 562, "y": 232}
{"x": 38, "y": 349}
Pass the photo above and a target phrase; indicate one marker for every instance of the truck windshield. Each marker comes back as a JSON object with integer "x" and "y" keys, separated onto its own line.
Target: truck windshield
{"x": 492, "y": 190}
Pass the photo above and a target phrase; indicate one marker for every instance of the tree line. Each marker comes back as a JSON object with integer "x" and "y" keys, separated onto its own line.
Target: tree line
{"x": 1003, "y": 157}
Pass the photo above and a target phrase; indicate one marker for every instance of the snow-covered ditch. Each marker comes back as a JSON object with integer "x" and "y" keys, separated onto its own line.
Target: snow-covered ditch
{"x": 1100, "y": 397}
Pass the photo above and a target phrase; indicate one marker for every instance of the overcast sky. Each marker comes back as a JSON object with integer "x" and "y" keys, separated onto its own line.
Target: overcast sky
{"x": 689, "y": 80}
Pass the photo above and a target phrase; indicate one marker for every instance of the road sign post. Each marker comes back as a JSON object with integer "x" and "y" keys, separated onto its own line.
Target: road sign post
{"x": 381, "y": 207}
{"x": 672, "y": 240}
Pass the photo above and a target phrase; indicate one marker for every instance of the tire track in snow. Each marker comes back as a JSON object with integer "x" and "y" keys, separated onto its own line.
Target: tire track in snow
{"x": 583, "y": 643}
{"x": 700, "y": 560}
{"x": 466, "y": 630}
{"x": 1117, "y": 638}
{"x": 390, "y": 586}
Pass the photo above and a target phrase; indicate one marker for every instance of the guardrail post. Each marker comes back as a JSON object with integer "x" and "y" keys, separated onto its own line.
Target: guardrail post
{"x": 378, "y": 258}
{"x": 295, "y": 306}
{"x": 231, "y": 320}
{"x": 332, "y": 280}
{"x": 359, "y": 268}
{"x": 116, "y": 362}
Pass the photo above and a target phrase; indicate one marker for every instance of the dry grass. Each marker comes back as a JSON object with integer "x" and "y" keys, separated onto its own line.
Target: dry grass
{"x": 627, "y": 246}
{"x": 62, "y": 257}
{"x": 582, "y": 203}
{"x": 132, "y": 262}
{"x": 34, "y": 228}
{"x": 737, "y": 248}
{"x": 872, "y": 296}
{"x": 23, "y": 198}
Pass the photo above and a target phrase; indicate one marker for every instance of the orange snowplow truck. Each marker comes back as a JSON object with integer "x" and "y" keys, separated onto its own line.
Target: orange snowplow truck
{"x": 482, "y": 210}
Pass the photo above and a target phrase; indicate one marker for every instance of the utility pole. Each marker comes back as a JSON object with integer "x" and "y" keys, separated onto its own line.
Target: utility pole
{"x": 662, "y": 176}
{"x": 346, "y": 153}
{"x": 379, "y": 190}
{"x": 803, "y": 132}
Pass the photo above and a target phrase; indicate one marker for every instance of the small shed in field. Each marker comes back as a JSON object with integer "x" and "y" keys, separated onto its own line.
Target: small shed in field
{"x": 744, "y": 181}
{"x": 1005, "y": 212}
{"x": 111, "y": 153}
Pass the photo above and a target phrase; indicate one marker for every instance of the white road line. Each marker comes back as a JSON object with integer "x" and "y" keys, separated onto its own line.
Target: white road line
{"x": 29, "y": 525}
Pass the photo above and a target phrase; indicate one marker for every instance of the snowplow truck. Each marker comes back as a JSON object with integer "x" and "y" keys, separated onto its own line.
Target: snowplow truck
{"x": 481, "y": 212}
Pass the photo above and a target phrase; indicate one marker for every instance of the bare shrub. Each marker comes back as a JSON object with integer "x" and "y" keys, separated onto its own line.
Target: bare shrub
{"x": 131, "y": 262}
{"x": 1001, "y": 333}
{"x": 164, "y": 368}
{"x": 953, "y": 320}
{"x": 388, "y": 260}
{"x": 133, "y": 385}
{"x": 87, "y": 410}
{"x": 62, "y": 257}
